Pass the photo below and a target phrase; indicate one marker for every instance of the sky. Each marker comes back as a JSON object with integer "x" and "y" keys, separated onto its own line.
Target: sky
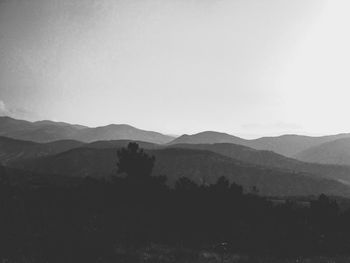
{"x": 246, "y": 67}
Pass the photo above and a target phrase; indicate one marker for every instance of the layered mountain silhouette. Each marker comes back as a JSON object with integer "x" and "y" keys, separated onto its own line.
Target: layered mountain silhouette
{"x": 334, "y": 152}
{"x": 48, "y": 131}
{"x": 16, "y": 150}
{"x": 273, "y": 160}
{"x": 287, "y": 145}
{"x": 283, "y": 165}
{"x": 12, "y": 149}
{"x": 199, "y": 165}
{"x": 272, "y": 173}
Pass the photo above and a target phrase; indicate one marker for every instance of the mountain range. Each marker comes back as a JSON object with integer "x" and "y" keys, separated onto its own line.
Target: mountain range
{"x": 48, "y": 131}
{"x": 288, "y": 145}
{"x": 284, "y": 165}
{"x": 272, "y": 173}
{"x": 202, "y": 166}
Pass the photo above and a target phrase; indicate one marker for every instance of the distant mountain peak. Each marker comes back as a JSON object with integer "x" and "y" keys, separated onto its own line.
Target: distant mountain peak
{"x": 207, "y": 137}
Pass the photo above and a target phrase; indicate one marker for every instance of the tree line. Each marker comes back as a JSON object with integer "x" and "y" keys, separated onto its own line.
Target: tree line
{"x": 90, "y": 221}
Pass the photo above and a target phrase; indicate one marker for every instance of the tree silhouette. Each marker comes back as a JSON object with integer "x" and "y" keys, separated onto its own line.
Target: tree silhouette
{"x": 222, "y": 184}
{"x": 185, "y": 184}
{"x": 4, "y": 180}
{"x": 134, "y": 162}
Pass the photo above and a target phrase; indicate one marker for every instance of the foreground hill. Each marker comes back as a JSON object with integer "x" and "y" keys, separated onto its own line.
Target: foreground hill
{"x": 287, "y": 145}
{"x": 200, "y": 165}
{"x": 11, "y": 149}
{"x": 116, "y": 144}
{"x": 48, "y": 131}
{"x": 334, "y": 152}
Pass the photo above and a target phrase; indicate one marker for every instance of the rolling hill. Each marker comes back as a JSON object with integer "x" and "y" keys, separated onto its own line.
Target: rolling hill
{"x": 271, "y": 159}
{"x": 16, "y": 150}
{"x": 120, "y": 132}
{"x": 207, "y": 167}
{"x": 11, "y": 149}
{"x": 200, "y": 165}
{"x": 334, "y": 152}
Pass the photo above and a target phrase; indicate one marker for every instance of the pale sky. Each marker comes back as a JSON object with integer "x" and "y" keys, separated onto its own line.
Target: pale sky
{"x": 246, "y": 67}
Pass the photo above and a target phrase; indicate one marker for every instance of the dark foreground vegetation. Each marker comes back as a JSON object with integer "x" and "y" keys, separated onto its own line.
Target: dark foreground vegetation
{"x": 136, "y": 217}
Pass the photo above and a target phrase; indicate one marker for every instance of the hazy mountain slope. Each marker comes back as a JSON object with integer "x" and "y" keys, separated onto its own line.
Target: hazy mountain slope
{"x": 208, "y": 137}
{"x": 41, "y": 131}
{"x": 287, "y": 145}
{"x": 15, "y": 150}
{"x": 48, "y": 131}
{"x": 12, "y": 149}
{"x": 201, "y": 166}
{"x": 334, "y": 152}
{"x": 121, "y": 132}
{"x": 245, "y": 154}
{"x": 273, "y": 160}
{"x": 62, "y": 124}
{"x": 9, "y": 125}
{"x": 204, "y": 166}
{"x": 290, "y": 145}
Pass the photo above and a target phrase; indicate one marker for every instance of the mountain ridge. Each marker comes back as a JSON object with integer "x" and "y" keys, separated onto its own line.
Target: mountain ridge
{"x": 288, "y": 145}
{"x": 48, "y": 131}
{"x": 202, "y": 163}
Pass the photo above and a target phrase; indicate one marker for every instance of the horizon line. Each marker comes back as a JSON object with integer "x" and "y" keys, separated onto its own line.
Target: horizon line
{"x": 179, "y": 135}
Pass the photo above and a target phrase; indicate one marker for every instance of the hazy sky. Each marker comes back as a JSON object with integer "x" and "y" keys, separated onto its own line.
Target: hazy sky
{"x": 246, "y": 67}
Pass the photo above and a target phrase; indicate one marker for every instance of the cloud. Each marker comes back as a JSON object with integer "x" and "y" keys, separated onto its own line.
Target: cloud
{"x": 16, "y": 112}
{"x": 4, "y": 111}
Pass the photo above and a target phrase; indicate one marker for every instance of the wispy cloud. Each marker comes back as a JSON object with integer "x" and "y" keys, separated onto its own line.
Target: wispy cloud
{"x": 4, "y": 111}
{"x": 16, "y": 112}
